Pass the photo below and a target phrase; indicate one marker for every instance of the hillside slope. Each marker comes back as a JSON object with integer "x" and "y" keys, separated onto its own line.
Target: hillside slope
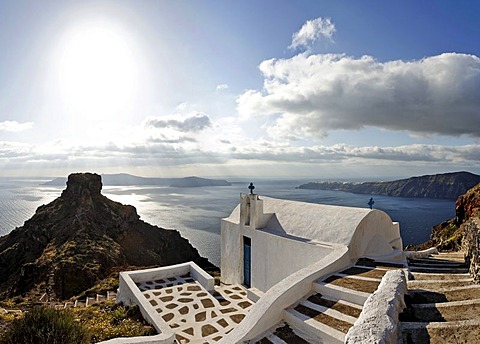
{"x": 75, "y": 241}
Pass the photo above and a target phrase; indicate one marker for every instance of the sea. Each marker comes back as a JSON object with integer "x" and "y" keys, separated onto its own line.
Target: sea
{"x": 196, "y": 212}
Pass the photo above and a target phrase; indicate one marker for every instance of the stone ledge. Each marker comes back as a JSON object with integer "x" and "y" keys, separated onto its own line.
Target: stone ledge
{"x": 420, "y": 254}
{"x": 378, "y": 322}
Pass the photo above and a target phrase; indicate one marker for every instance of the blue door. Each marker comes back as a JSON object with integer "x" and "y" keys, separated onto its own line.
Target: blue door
{"x": 247, "y": 249}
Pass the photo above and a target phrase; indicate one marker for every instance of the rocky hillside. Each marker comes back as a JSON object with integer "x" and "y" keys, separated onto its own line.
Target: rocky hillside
{"x": 446, "y": 185}
{"x": 450, "y": 234}
{"x": 75, "y": 241}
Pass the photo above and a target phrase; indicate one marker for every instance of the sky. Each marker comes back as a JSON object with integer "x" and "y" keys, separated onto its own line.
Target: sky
{"x": 275, "y": 89}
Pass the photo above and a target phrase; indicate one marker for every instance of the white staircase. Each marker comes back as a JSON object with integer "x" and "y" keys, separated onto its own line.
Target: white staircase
{"x": 332, "y": 308}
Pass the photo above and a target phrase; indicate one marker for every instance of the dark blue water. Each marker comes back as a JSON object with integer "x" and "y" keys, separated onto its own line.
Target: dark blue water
{"x": 196, "y": 212}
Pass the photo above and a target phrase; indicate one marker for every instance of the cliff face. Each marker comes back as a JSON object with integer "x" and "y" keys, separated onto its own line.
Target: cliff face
{"x": 447, "y": 185}
{"x": 468, "y": 205}
{"x": 74, "y": 241}
{"x": 450, "y": 235}
{"x": 468, "y": 214}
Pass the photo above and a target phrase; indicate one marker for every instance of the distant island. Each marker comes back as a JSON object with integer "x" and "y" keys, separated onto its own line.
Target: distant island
{"x": 124, "y": 179}
{"x": 445, "y": 186}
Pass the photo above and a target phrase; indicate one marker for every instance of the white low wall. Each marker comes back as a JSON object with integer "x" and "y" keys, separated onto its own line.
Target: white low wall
{"x": 421, "y": 254}
{"x": 268, "y": 311}
{"x": 157, "y": 339}
{"x": 378, "y": 322}
{"x": 128, "y": 294}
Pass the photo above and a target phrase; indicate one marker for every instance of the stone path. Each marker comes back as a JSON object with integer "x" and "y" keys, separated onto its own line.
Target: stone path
{"x": 196, "y": 315}
{"x": 443, "y": 302}
{"x": 329, "y": 312}
{"x": 88, "y": 301}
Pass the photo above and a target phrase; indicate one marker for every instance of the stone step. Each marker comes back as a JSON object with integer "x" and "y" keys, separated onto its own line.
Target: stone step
{"x": 365, "y": 271}
{"x": 89, "y": 301}
{"x": 313, "y": 330}
{"x": 355, "y": 283}
{"x": 308, "y": 307}
{"x": 79, "y": 303}
{"x": 438, "y": 270}
{"x": 68, "y": 304}
{"x": 373, "y": 263}
{"x": 351, "y": 309}
{"x": 283, "y": 334}
{"x": 467, "y": 331}
{"x": 446, "y": 295}
{"x": 451, "y": 260}
{"x": 438, "y": 284}
{"x": 442, "y": 300}
{"x": 318, "y": 314}
{"x": 443, "y": 312}
{"x": 271, "y": 339}
{"x": 423, "y": 276}
{"x": 100, "y": 298}
{"x": 340, "y": 293}
{"x": 435, "y": 262}
{"x": 359, "y": 277}
{"x": 457, "y": 254}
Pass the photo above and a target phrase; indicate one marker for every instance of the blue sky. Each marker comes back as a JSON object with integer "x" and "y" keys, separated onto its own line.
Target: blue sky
{"x": 316, "y": 89}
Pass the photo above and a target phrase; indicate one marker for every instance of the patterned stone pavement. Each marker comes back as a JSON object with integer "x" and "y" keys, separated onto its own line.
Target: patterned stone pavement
{"x": 196, "y": 315}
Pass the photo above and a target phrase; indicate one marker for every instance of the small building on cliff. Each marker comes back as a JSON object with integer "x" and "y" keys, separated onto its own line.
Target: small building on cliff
{"x": 287, "y": 269}
{"x": 265, "y": 239}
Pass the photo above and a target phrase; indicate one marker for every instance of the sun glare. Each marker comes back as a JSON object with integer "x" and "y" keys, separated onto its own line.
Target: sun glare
{"x": 98, "y": 73}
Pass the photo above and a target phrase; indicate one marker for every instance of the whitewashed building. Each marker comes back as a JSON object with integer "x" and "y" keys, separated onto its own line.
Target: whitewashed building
{"x": 291, "y": 272}
{"x": 265, "y": 240}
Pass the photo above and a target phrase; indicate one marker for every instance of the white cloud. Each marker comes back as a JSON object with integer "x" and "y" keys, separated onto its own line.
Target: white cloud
{"x": 190, "y": 123}
{"x": 14, "y": 126}
{"x": 314, "y": 94}
{"x": 184, "y": 152}
{"x": 312, "y": 31}
{"x": 222, "y": 87}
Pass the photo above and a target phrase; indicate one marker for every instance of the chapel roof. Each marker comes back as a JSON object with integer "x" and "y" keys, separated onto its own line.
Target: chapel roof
{"x": 311, "y": 221}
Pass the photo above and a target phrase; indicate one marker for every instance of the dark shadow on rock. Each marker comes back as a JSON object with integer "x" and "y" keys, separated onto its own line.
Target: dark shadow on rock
{"x": 417, "y": 296}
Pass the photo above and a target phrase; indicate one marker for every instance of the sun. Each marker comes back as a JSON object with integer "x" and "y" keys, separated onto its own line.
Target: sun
{"x": 97, "y": 71}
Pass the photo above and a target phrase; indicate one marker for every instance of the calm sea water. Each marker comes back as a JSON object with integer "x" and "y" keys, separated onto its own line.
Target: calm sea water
{"x": 196, "y": 212}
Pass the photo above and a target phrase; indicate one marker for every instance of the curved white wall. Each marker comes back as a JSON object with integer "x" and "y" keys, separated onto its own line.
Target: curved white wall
{"x": 376, "y": 236}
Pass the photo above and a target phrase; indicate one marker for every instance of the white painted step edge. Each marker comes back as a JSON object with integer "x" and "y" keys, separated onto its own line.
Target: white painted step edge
{"x": 341, "y": 293}
{"x": 359, "y": 277}
{"x": 330, "y": 312}
{"x": 432, "y": 281}
{"x": 466, "y": 275}
{"x": 443, "y": 289}
{"x": 312, "y": 330}
{"x": 437, "y": 269}
{"x": 375, "y": 268}
{"x": 275, "y": 340}
{"x": 351, "y": 304}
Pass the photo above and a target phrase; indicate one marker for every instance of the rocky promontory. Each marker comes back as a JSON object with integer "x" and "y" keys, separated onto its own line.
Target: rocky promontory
{"x": 445, "y": 185}
{"x": 76, "y": 240}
